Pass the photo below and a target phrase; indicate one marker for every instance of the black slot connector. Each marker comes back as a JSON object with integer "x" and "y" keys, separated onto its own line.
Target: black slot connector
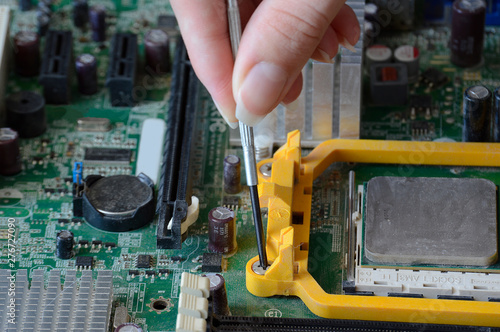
{"x": 55, "y": 73}
{"x": 122, "y": 69}
{"x": 175, "y": 183}
{"x": 265, "y": 324}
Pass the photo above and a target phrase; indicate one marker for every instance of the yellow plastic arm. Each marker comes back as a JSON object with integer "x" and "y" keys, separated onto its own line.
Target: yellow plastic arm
{"x": 287, "y": 194}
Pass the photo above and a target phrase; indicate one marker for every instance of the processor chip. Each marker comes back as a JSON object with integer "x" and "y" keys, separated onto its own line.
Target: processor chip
{"x": 435, "y": 221}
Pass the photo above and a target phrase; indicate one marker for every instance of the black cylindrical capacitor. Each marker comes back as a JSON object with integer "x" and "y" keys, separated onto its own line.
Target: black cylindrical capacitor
{"x": 467, "y": 32}
{"x": 97, "y": 16}
{"x": 43, "y": 21}
{"x": 496, "y": 116}
{"x": 10, "y": 158}
{"x": 218, "y": 294}
{"x": 24, "y": 5}
{"x": 26, "y": 113}
{"x": 232, "y": 174}
{"x": 156, "y": 44}
{"x": 222, "y": 231}
{"x": 80, "y": 13}
{"x": 27, "y": 53}
{"x": 64, "y": 244}
{"x": 86, "y": 72}
{"x": 477, "y": 114}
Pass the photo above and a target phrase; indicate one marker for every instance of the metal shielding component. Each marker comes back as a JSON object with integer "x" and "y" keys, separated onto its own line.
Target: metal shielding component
{"x": 444, "y": 221}
{"x": 93, "y": 124}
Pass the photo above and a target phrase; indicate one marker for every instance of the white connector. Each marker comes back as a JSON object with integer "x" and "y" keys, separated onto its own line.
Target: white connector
{"x": 149, "y": 158}
{"x": 4, "y": 54}
{"x": 190, "y": 324}
{"x": 193, "y": 306}
{"x": 193, "y": 303}
{"x": 195, "y": 285}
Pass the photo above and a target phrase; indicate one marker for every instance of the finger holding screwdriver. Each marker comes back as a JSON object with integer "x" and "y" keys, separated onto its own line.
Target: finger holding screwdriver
{"x": 278, "y": 39}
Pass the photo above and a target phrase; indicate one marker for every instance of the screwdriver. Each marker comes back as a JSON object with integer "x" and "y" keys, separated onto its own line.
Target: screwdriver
{"x": 247, "y": 139}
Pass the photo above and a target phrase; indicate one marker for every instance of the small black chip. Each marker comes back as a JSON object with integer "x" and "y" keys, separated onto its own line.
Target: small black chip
{"x": 150, "y": 273}
{"x": 107, "y": 155}
{"x": 109, "y": 244}
{"x": 176, "y": 258}
{"x": 83, "y": 243}
{"x": 421, "y": 102}
{"x": 420, "y": 125}
{"x": 76, "y": 220}
{"x": 167, "y": 22}
{"x": 143, "y": 262}
{"x": 96, "y": 243}
{"x": 133, "y": 273}
{"x": 212, "y": 262}
{"x": 164, "y": 272}
{"x": 63, "y": 221}
{"x": 434, "y": 77}
{"x": 229, "y": 201}
{"x": 84, "y": 261}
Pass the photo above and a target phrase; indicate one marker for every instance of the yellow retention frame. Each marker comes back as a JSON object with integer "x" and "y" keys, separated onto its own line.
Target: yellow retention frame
{"x": 288, "y": 191}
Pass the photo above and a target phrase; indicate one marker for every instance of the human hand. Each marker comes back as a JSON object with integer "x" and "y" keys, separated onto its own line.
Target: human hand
{"x": 279, "y": 37}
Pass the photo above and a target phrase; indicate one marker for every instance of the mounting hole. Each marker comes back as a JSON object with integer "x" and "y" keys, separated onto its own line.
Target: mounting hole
{"x": 24, "y": 101}
{"x": 179, "y": 209}
{"x": 160, "y": 305}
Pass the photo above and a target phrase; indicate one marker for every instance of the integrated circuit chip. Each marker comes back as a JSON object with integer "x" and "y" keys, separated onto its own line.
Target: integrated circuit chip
{"x": 84, "y": 262}
{"x": 437, "y": 221}
{"x": 143, "y": 262}
{"x": 97, "y": 155}
{"x": 212, "y": 262}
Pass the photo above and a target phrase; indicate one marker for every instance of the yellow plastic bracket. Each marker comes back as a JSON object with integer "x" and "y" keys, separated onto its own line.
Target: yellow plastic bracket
{"x": 287, "y": 194}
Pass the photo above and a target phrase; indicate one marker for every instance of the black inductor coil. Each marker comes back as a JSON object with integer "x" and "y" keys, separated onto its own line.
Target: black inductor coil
{"x": 156, "y": 43}
{"x": 467, "y": 32}
{"x": 64, "y": 244}
{"x": 97, "y": 16}
{"x": 496, "y": 116}
{"x": 86, "y": 72}
{"x": 27, "y": 53}
{"x": 80, "y": 13}
{"x": 218, "y": 294}
{"x": 477, "y": 114}
{"x": 26, "y": 113}
{"x": 10, "y": 158}
{"x": 222, "y": 231}
{"x": 232, "y": 174}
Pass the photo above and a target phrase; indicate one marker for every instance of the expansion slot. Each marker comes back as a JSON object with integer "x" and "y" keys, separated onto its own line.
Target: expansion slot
{"x": 175, "y": 183}
{"x": 264, "y": 324}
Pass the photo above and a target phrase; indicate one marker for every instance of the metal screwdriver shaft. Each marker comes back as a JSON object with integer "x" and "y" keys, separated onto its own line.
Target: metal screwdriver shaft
{"x": 247, "y": 139}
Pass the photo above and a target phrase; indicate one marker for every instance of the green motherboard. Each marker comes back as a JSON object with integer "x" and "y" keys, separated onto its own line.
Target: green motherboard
{"x": 37, "y": 203}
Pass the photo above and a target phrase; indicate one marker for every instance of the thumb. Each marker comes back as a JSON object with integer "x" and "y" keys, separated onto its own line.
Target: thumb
{"x": 277, "y": 42}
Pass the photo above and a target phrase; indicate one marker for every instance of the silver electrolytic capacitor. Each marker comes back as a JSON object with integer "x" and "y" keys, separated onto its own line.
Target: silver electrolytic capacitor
{"x": 232, "y": 174}
{"x": 86, "y": 73}
{"x": 477, "y": 114}
{"x": 64, "y": 244}
{"x": 157, "y": 49}
{"x": 222, "y": 231}
{"x": 97, "y": 17}
{"x": 496, "y": 116}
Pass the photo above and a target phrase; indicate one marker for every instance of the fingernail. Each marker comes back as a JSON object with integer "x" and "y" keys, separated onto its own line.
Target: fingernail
{"x": 245, "y": 116}
{"x": 233, "y": 125}
{"x": 293, "y": 106}
{"x": 325, "y": 57}
{"x": 343, "y": 41}
{"x": 260, "y": 92}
